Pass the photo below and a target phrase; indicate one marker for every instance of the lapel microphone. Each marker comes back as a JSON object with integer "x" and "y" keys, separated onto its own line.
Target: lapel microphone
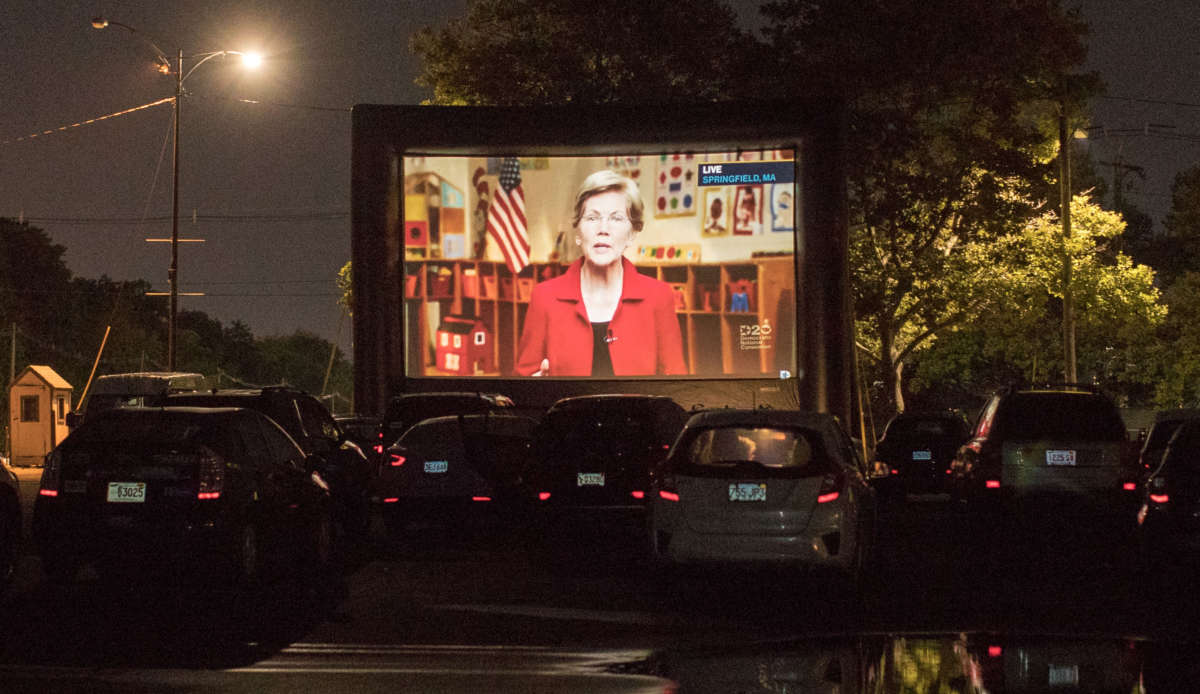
{"x": 610, "y": 338}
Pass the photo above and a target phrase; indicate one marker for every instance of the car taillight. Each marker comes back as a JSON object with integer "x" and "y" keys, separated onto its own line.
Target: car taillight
{"x": 1129, "y": 486}
{"x": 831, "y": 488}
{"x": 51, "y": 474}
{"x": 1157, "y": 488}
{"x": 638, "y": 494}
{"x": 481, "y": 498}
{"x": 211, "y": 475}
{"x": 992, "y": 484}
{"x": 668, "y": 495}
{"x": 543, "y": 496}
{"x": 396, "y": 460}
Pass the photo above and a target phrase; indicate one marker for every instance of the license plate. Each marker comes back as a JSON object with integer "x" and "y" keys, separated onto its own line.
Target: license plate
{"x": 922, "y": 455}
{"x": 437, "y": 466}
{"x": 1063, "y": 675}
{"x": 1060, "y": 457}
{"x": 127, "y": 492}
{"x": 747, "y": 491}
{"x": 589, "y": 479}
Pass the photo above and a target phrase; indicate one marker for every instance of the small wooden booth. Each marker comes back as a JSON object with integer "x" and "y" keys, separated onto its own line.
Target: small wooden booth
{"x": 38, "y": 401}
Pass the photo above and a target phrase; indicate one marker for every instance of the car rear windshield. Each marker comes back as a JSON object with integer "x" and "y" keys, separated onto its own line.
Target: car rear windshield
{"x": 402, "y": 413}
{"x": 1072, "y": 416}
{"x": 613, "y": 426}
{"x": 758, "y": 451}
{"x": 924, "y": 427}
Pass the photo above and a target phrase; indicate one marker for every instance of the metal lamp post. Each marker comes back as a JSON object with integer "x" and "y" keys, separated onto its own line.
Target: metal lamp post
{"x": 164, "y": 66}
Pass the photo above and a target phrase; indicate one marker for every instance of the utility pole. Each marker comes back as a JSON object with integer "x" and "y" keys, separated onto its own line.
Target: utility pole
{"x": 1120, "y": 168}
{"x": 1064, "y": 188}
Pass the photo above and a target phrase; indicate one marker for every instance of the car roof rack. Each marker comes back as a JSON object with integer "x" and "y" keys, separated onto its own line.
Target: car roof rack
{"x": 1054, "y": 385}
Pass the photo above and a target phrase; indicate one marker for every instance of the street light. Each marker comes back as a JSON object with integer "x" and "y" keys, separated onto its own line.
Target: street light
{"x": 250, "y": 60}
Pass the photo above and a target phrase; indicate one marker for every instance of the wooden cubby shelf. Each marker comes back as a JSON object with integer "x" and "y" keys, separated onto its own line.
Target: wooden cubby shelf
{"x": 737, "y": 318}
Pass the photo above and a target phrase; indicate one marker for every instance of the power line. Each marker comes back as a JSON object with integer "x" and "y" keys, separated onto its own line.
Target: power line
{"x": 90, "y": 121}
{"x": 1156, "y": 102}
{"x": 232, "y": 218}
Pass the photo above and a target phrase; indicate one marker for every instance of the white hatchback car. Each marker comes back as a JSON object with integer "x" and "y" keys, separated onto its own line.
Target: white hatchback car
{"x": 763, "y": 486}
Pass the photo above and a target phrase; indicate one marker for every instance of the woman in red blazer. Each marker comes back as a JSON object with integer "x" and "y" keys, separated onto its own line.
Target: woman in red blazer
{"x": 602, "y": 317}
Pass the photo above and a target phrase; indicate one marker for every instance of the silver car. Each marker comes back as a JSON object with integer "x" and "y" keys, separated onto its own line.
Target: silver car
{"x": 763, "y": 486}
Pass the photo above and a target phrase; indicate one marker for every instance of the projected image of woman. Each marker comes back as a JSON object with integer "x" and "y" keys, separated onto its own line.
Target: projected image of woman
{"x": 602, "y": 317}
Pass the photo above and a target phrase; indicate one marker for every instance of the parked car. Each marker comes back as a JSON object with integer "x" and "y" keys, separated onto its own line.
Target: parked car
{"x": 591, "y": 460}
{"x": 10, "y": 522}
{"x": 1166, "y": 423}
{"x": 1169, "y": 515}
{"x": 913, "y": 455}
{"x": 361, "y": 429}
{"x": 764, "y": 487}
{"x": 456, "y": 469}
{"x": 343, "y": 465}
{"x": 137, "y": 389}
{"x": 407, "y": 409}
{"x": 1055, "y": 449}
{"x": 222, "y": 491}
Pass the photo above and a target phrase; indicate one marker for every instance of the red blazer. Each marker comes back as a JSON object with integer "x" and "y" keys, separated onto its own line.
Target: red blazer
{"x": 645, "y": 331}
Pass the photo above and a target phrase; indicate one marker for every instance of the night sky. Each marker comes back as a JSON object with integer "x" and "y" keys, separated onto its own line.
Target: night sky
{"x": 270, "y": 181}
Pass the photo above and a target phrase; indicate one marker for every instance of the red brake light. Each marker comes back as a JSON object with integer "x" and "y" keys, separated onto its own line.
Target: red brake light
{"x": 995, "y": 651}
{"x": 1160, "y": 498}
{"x": 669, "y": 496}
{"x": 211, "y": 476}
{"x": 51, "y": 474}
{"x": 638, "y": 494}
{"x": 378, "y": 448}
{"x": 542, "y": 496}
{"x": 992, "y": 484}
{"x": 1129, "y": 486}
{"x": 397, "y": 460}
{"x": 391, "y": 500}
{"x": 481, "y": 498}
{"x": 831, "y": 488}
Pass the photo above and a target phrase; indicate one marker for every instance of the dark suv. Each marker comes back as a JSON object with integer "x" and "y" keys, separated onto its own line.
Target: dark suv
{"x": 591, "y": 461}
{"x": 341, "y": 462}
{"x": 10, "y": 522}
{"x": 182, "y": 489}
{"x": 407, "y": 409}
{"x": 915, "y": 451}
{"x": 1057, "y": 448}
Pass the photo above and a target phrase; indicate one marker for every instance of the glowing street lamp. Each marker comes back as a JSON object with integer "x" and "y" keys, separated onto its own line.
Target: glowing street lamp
{"x": 250, "y": 60}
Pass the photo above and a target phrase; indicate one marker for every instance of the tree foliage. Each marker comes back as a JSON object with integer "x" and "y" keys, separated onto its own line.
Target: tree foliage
{"x": 62, "y": 321}
{"x": 951, "y": 111}
{"x": 525, "y": 52}
{"x": 1117, "y": 309}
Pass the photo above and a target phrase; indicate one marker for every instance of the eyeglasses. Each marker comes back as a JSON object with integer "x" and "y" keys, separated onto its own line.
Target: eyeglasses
{"x": 615, "y": 219}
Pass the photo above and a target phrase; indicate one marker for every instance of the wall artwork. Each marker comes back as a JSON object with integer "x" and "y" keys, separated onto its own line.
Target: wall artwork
{"x": 675, "y": 186}
{"x": 626, "y": 166}
{"x": 716, "y": 212}
{"x": 748, "y": 210}
{"x": 783, "y": 208}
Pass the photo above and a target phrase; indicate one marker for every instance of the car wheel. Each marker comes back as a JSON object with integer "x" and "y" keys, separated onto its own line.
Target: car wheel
{"x": 323, "y": 542}
{"x": 59, "y": 569}
{"x": 9, "y": 539}
{"x": 396, "y": 522}
{"x": 246, "y": 557}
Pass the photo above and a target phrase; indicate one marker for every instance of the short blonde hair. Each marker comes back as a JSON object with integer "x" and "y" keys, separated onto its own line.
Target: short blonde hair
{"x": 606, "y": 181}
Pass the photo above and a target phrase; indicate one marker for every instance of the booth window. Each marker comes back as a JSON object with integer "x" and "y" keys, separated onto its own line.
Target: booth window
{"x": 29, "y": 408}
{"x": 62, "y": 409}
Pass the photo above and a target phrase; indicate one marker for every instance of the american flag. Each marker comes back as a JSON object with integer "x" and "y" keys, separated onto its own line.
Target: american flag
{"x": 506, "y": 217}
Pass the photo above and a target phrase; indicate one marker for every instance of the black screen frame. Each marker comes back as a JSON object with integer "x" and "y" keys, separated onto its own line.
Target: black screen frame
{"x": 383, "y": 135}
